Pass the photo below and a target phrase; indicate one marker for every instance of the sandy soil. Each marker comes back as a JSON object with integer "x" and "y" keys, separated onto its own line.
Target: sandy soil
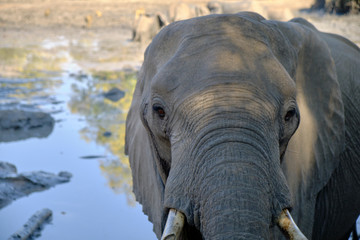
{"x": 30, "y": 22}
{"x": 102, "y": 14}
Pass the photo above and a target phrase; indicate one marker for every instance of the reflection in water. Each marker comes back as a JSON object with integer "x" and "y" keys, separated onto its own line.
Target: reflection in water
{"x": 119, "y": 178}
{"x": 52, "y": 86}
{"x": 28, "y": 77}
{"x": 30, "y": 63}
{"x": 106, "y": 121}
{"x": 28, "y": 80}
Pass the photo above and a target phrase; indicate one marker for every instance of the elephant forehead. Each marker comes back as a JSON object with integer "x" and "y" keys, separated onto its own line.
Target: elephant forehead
{"x": 229, "y": 48}
{"x": 192, "y": 69}
{"x": 235, "y": 26}
{"x": 202, "y": 34}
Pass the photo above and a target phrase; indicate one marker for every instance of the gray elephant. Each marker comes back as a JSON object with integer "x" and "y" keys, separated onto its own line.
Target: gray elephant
{"x": 146, "y": 26}
{"x": 214, "y": 134}
{"x": 181, "y": 11}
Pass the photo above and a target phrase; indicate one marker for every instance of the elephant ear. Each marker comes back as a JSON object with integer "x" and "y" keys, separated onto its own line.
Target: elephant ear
{"x": 313, "y": 152}
{"x": 148, "y": 181}
{"x": 147, "y": 184}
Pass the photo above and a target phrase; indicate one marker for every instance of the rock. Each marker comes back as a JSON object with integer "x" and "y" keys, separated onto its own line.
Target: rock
{"x": 18, "y": 125}
{"x": 14, "y": 185}
{"x": 114, "y": 94}
{"x": 16, "y": 119}
{"x": 45, "y": 179}
{"x": 107, "y": 134}
{"x": 33, "y": 226}
{"x": 7, "y": 169}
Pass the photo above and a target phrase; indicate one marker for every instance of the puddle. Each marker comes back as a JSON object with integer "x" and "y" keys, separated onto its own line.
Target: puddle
{"x": 86, "y": 140}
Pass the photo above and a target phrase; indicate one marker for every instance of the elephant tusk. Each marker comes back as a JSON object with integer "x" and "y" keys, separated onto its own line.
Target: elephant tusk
{"x": 174, "y": 225}
{"x": 287, "y": 224}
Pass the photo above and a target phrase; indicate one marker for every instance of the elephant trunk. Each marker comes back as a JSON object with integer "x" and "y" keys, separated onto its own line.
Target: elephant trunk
{"x": 236, "y": 203}
{"x": 236, "y": 188}
{"x": 242, "y": 189}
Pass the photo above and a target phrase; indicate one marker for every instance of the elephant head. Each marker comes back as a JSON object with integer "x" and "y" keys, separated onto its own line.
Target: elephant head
{"x": 217, "y": 101}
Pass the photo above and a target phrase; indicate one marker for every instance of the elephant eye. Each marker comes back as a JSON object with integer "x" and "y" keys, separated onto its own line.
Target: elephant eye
{"x": 290, "y": 114}
{"x": 159, "y": 111}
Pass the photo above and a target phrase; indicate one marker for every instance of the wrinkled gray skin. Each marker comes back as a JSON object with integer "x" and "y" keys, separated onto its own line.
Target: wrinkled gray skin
{"x": 214, "y": 128}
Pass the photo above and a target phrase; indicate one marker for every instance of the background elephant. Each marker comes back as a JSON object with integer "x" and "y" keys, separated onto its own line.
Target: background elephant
{"x": 181, "y": 11}
{"x": 146, "y": 26}
{"x": 214, "y": 128}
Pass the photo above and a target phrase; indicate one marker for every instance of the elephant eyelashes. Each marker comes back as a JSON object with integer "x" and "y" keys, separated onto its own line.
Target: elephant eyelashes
{"x": 159, "y": 111}
{"x": 290, "y": 114}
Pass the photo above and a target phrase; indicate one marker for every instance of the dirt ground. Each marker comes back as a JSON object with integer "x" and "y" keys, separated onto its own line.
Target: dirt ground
{"x": 52, "y": 14}
{"x": 110, "y": 21}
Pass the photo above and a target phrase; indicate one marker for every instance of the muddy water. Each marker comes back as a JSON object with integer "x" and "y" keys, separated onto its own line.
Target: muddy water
{"x": 87, "y": 140}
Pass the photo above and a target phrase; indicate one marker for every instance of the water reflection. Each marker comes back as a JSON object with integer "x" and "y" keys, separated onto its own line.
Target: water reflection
{"x": 33, "y": 63}
{"x": 106, "y": 120}
{"x": 58, "y": 94}
{"x": 28, "y": 77}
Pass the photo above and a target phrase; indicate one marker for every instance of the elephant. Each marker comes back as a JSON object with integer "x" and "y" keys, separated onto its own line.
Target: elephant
{"x": 337, "y": 6}
{"x": 181, "y": 11}
{"x": 146, "y": 26}
{"x": 236, "y": 119}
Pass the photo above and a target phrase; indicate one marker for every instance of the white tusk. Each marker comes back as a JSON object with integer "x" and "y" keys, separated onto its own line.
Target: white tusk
{"x": 287, "y": 224}
{"x": 174, "y": 225}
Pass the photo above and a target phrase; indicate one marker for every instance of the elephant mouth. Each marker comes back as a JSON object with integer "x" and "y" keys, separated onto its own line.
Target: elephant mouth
{"x": 176, "y": 219}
